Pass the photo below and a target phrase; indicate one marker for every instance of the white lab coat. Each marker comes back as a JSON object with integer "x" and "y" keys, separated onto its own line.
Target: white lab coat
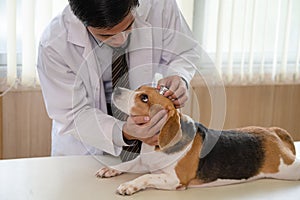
{"x": 70, "y": 73}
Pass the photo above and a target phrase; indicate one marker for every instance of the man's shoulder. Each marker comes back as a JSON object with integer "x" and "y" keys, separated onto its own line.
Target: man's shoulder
{"x": 156, "y": 8}
{"x": 57, "y": 29}
{"x": 52, "y": 32}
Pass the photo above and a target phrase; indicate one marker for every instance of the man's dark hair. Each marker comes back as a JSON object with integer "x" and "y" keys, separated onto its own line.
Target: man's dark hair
{"x": 102, "y": 13}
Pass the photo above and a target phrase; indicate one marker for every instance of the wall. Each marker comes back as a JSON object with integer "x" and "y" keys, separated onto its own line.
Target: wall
{"x": 26, "y": 126}
{"x": 260, "y": 105}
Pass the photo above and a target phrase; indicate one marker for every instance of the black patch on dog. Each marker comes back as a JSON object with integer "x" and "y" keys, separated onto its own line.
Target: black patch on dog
{"x": 188, "y": 133}
{"x": 235, "y": 155}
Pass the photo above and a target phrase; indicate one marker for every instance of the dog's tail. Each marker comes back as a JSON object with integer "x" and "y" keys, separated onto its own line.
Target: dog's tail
{"x": 285, "y": 137}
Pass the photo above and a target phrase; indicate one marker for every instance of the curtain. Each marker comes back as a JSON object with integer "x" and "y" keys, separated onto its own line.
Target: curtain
{"x": 23, "y": 22}
{"x": 250, "y": 41}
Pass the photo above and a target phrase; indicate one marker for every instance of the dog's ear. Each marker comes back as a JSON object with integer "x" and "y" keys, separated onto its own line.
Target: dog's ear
{"x": 170, "y": 133}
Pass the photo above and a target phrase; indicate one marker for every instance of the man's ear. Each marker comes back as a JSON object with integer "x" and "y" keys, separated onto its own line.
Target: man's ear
{"x": 171, "y": 133}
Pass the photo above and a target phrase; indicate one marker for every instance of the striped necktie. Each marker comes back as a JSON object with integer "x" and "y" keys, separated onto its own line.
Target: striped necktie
{"x": 120, "y": 79}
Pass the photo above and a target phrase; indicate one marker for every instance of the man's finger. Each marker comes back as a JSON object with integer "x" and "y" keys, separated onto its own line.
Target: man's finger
{"x": 140, "y": 119}
{"x": 174, "y": 86}
{"x": 157, "y": 126}
{"x": 168, "y": 93}
{"x": 158, "y": 116}
{"x": 180, "y": 92}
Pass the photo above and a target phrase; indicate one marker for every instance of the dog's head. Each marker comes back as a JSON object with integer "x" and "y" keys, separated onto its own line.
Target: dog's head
{"x": 147, "y": 101}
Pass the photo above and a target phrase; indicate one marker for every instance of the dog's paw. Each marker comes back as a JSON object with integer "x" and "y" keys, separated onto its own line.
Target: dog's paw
{"x": 106, "y": 172}
{"x": 128, "y": 189}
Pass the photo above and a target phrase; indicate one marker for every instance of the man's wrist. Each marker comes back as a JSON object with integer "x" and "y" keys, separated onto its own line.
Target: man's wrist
{"x": 186, "y": 83}
{"x": 128, "y": 139}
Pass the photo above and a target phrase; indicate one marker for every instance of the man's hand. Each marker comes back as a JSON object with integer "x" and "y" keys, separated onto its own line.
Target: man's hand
{"x": 145, "y": 129}
{"x": 177, "y": 92}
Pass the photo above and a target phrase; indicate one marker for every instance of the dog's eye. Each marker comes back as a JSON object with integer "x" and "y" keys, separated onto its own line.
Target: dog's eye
{"x": 144, "y": 98}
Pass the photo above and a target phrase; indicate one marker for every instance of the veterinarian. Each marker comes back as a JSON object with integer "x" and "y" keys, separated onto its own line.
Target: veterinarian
{"x": 74, "y": 52}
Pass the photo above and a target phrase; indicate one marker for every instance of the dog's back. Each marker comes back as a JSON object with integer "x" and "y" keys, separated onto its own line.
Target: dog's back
{"x": 245, "y": 154}
{"x": 230, "y": 156}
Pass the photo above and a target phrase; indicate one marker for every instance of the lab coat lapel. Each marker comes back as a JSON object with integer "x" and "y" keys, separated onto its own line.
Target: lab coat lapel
{"x": 90, "y": 68}
{"x": 141, "y": 54}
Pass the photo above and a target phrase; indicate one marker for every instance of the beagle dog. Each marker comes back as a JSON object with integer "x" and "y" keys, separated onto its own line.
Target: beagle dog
{"x": 200, "y": 157}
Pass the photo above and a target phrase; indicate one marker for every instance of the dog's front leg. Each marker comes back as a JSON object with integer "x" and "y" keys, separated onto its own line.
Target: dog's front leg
{"x": 158, "y": 181}
{"x": 107, "y": 172}
{"x": 133, "y": 166}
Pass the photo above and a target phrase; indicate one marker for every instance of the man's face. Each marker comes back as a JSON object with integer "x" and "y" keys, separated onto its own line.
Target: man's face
{"x": 115, "y": 36}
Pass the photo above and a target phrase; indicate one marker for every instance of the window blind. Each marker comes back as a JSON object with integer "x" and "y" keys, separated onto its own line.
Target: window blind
{"x": 24, "y": 22}
{"x": 250, "y": 41}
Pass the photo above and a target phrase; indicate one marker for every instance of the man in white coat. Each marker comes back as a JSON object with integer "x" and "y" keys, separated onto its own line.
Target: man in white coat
{"x": 74, "y": 66}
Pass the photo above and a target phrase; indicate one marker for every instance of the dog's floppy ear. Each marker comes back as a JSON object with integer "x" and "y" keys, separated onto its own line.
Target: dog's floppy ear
{"x": 171, "y": 133}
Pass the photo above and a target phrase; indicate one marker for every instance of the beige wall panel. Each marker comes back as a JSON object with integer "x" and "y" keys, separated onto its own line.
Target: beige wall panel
{"x": 249, "y": 105}
{"x": 26, "y": 126}
{"x": 202, "y": 99}
{"x": 245, "y": 105}
{"x": 255, "y": 105}
{"x": 286, "y": 109}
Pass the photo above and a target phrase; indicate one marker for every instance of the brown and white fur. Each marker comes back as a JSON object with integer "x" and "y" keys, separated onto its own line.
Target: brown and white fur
{"x": 202, "y": 157}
